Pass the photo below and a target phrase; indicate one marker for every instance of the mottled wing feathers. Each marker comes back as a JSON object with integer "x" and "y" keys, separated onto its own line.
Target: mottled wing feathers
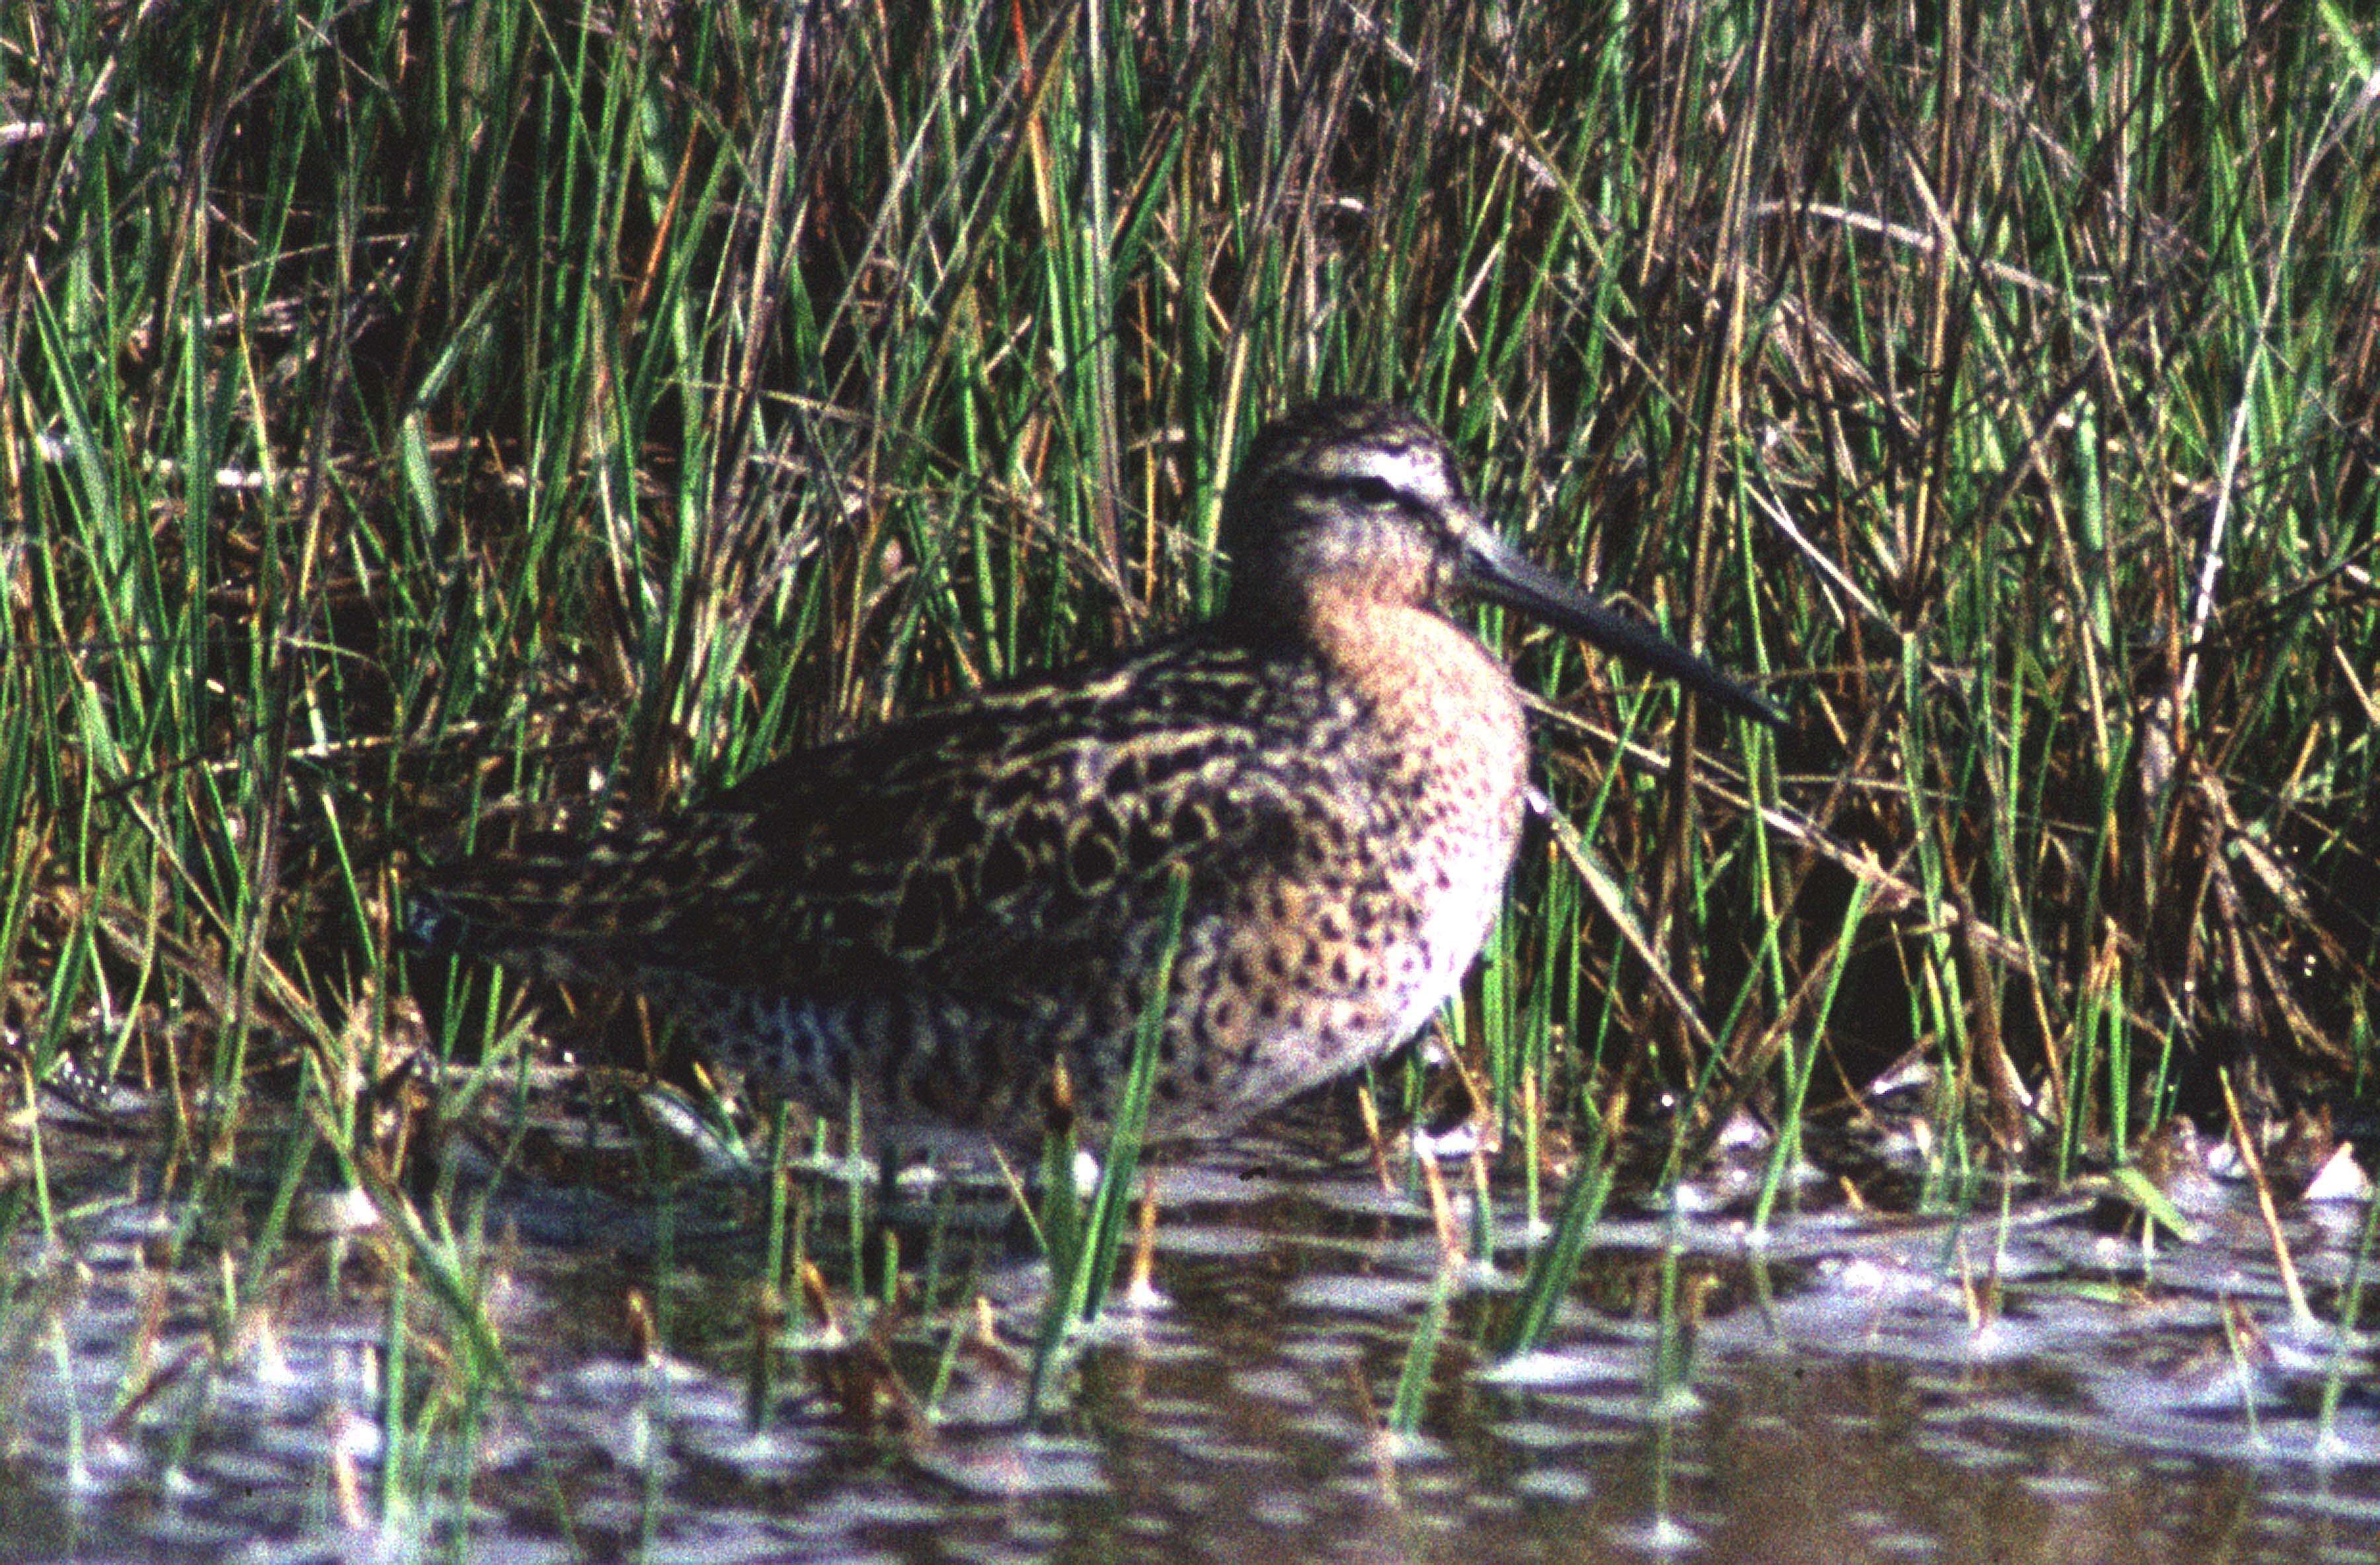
{"x": 960, "y": 849}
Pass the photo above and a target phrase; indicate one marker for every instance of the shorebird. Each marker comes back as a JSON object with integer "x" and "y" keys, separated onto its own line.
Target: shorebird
{"x": 1326, "y": 779}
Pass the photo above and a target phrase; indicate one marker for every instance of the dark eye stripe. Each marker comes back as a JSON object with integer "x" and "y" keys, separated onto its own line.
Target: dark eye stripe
{"x": 1373, "y": 491}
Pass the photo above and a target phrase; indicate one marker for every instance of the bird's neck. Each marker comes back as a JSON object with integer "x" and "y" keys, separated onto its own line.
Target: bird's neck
{"x": 1421, "y": 673}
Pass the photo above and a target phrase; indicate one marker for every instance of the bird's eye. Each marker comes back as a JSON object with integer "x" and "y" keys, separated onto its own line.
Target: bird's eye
{"x": 1372, "y": 489}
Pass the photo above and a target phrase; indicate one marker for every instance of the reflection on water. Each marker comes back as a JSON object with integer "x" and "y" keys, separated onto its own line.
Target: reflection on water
{"x": 2034, "y": 1384}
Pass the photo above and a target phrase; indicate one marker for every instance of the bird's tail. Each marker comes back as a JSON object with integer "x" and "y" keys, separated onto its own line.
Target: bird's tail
{"x": 560, "y": 907}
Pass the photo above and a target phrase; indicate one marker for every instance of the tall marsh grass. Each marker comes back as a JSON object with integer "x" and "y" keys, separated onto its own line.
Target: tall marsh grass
{"x": 420, "y": 419}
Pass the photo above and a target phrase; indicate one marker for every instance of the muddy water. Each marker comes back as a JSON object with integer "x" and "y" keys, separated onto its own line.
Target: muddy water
{"x": 2037, "y": 1381}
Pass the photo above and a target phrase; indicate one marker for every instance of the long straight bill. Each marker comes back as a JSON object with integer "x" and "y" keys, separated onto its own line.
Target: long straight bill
{"x": 1507, "y": 576}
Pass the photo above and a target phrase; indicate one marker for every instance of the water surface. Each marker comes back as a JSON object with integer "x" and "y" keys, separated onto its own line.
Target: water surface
{"x": 2041, "y": 1378}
